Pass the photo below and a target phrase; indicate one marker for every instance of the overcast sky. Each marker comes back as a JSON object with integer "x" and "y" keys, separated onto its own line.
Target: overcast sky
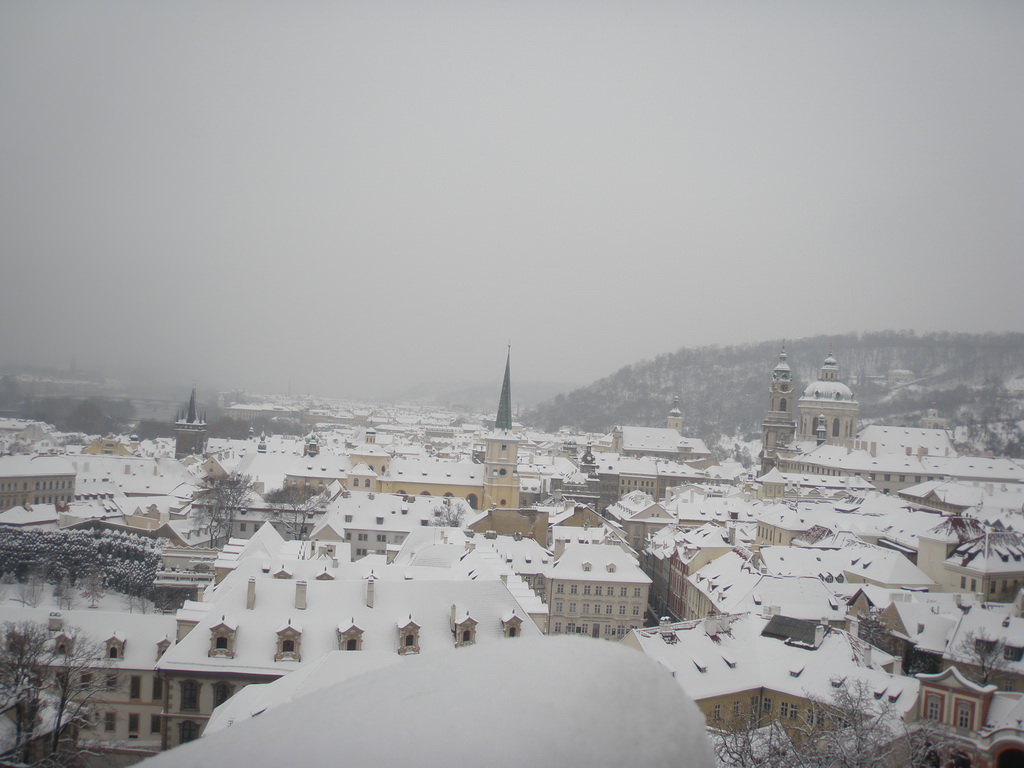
{"x": 347, "y": 197}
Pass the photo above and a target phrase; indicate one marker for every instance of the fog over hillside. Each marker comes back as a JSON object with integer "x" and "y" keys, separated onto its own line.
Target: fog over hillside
{"x": 896, "y": 376}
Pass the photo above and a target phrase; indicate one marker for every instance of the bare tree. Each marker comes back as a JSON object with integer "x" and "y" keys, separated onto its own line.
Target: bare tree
{"x": 294, "y": 509}
{"x": 448, "y": 514}
{"x": 30, "y": 588}
{"x": 49, "y": 679}
{"x": 852, "y": 729}
{"x": 983, "y": 656}
{"x": 224, "y": 498}
{"x": 746, "y": 741}
{"x": 65, "y": 593}
{"x": 92, "y": 585}
{"x": 23, "y": 666}
{"x": 77, "y": 663}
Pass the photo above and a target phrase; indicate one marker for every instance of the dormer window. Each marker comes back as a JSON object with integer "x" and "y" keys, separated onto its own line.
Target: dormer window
{"x": 222, "y": 639}
{"x": 586, "y": 566}
{"x": 350, "y": 639}
{"x": 512, "y": 627}
{"x": 610, "y": 567}
{"x": 289, "y": 642}
{"x": 409, "y": 638}
{"x": 115, "y": 647}
{"x": 63, "y": 644}
{"x": 161, "y": 648}
{"x": 465, "y": 632}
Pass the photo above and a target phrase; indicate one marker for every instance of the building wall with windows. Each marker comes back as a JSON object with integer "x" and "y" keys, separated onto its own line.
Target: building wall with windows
{"x": 28, "y": 480}
{"x": 596, "y": 590}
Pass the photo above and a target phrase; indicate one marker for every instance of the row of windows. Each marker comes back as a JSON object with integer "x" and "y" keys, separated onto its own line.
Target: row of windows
{"x": 135, "y": 688}
{"x": 597, "y": 590}
{"x": 962, "y": 716}
{"x": 190, "y": 694}
{"x": 52, "y": 485}
{"x": 572, "y": 628}
{"x": 110, "y": 723}
{"x": 597, "y": 608}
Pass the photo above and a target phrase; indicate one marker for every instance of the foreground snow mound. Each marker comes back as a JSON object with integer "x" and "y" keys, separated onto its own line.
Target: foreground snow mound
{"x": 542, "y": 701}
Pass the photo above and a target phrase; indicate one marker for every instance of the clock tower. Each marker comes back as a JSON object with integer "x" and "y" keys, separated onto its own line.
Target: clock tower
{"x": 778, "y": 429}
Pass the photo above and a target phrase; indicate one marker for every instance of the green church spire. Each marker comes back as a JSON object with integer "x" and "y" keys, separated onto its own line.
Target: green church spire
{"x": 504, "y": 420}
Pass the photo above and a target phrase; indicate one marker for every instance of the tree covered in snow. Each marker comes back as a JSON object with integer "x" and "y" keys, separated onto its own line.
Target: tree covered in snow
{"x": 47, "y": 682}
{"x": 126, "y": 562}
{"x": 293, "y": 508}
{"x": 851, "y": 729}
{"x": 224, "y": 498}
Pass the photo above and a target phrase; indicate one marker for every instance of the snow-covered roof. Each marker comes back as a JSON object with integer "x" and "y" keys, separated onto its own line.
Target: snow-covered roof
{"x": 731, "y": 654}
{"x": 519, "y": 702}
{"x": 596, "y": 562}
{"x": 858, "y": 561}
{"x": 398, "y": 593}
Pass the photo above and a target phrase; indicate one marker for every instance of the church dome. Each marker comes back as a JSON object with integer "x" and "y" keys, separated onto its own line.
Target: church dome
{"x": 828, "y": 390}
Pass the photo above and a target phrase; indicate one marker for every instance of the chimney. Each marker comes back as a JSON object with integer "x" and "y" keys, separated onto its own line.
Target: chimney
{"x": 300, "y": 594}
{"x": 56, "y": 622}
{"x": 250, "y": 594}
{"x": 470, "y": 545}
{"x": 819, "y": 635}
{"x": 732, "y": 535}
{"x": 453, "y": 616}
{"x": 559, "y": 548}
{"x": 504, "y": 578}
{"x": 897, "y": 665}
{"x": 369, "y": 590}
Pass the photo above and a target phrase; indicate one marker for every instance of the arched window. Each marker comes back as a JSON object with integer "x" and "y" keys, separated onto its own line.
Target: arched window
{"x": 288, "y": 646}
{"x": 409, "y": 640}
{"x": 112, "y": 652}
{"x": 188, "y": 731}
{"x": 835, "y": 427}
{"x": 471, "y": 500}
{"x": 352, "y": 644}
{"x": 222, "y": 643}
{"x": 782, "y": 404}
{"x": 221, "y": 693}
{"x": 467, "y": 636}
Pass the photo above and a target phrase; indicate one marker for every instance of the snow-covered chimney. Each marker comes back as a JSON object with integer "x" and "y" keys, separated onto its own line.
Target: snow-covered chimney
{"x": 819, "y": 635}
{"x": 300, "y": 594}
{"x": 250, "y": 594}
{"x": 559, "y": 548}
{"x": 453, "y": 615}
{"x": 56, "y": 622}
{"x": 897, "y": 665}
{"x": 369, "y": 590}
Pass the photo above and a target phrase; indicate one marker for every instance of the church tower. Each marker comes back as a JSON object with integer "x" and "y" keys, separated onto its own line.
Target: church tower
{"x": 501, "y": 455}
{"x": 189, "y": 431}
{"x": 778, "y": 429}
{"x": 675, "y": 417}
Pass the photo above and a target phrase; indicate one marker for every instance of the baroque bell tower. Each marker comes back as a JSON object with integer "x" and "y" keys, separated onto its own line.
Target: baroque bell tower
{"x": 779, "y": 428}
{"x": 501, "y": 457}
